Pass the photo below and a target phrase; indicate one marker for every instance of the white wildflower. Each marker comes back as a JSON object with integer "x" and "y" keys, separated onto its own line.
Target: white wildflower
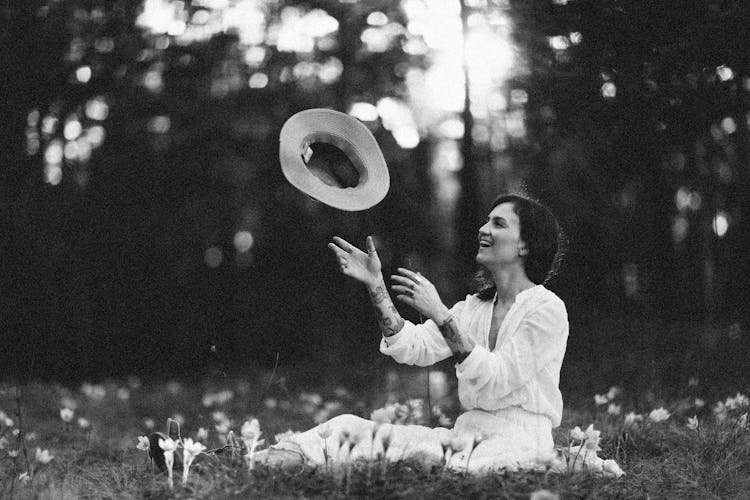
{"x": 720, "y": 411}
{"x": 169, "y": 446}
{"x": 614, "y": 409}
{"x": 577, "y": 434}
{"x": 66, "y": 414}
{"x": 737, "y": 402}
{"x": 43, "y": 456}
{"x": 613, "y": 392}
{"x": 250, "y": 434}
{"x": 83, "y": 423}
{"x": 592, "y": 438}
{"x": 95, "y": 392}
{"x": 202, "y": 434}
{"x": 600, "y": 399}
{"x": 384, "y": 415}
{"x": 692, "y": 423}
{"x": 659, "y": 415}
{"x": 143, "y": 443}
{"x": 191, "y": 449}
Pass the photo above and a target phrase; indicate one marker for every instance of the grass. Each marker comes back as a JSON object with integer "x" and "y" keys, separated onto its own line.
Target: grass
{"x": 661, "y": 460}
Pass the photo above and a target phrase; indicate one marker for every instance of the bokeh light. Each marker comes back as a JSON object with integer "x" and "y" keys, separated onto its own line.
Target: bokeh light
{"x": 258, "y": 80}
{"x": 72, "y": 128}
{"x": 54, "y": 152}
{"x": 364, "y": 111}
{"x": 724, "y": 73}
{"x": 377, "y": 18}
{"x": 53, "y": 174}
{"x": 407, "y": 137}
{"x": 729, "y": 125}
{"x": 97, "y": 109}
{"x": 609, "y": 90}
{"x": 680, "y": 227}
{"x": 559, "y": 42}
{"x": 720, "y": 224}
{"x": 49, "y": 124}
{"x": 83, "y": 74}
{"x": 213, "y": 257}
{"x": 159, "y": 124}
{"x": 243, "y": 241}
{"x": 95, "y": 135}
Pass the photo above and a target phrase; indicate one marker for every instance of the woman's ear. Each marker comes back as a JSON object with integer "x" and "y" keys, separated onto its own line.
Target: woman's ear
{"x": 522, "y": 249}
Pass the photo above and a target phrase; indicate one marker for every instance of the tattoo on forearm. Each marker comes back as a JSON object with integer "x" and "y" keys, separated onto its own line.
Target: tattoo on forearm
{"x": 457, "y": 343}
{"x": 389, "y": 319}
{"x": 379, "y": 294}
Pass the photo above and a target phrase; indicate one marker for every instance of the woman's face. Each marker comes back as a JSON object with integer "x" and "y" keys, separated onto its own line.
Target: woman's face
{"x": 500, "y": 238}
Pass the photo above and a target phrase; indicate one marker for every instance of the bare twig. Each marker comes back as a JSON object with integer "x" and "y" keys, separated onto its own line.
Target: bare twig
{"x": 268, "y": 385}
{"x": 21, "y": 437}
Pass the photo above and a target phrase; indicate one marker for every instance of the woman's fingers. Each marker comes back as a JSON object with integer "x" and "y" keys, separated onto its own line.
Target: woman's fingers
{"x": 403, "y": 290}
{"x": 415, "y": 277}
{"x": 401, "y": 280}
{"x": 344, "y": 245}
{"x": 370, "y": 244}
{"x": 338, "y": 252}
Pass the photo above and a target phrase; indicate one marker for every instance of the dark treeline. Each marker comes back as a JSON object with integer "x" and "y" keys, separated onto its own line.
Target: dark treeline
{"x": 636, "y": 119}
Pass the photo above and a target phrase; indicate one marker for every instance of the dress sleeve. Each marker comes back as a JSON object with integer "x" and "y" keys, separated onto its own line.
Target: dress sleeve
{"x": 539, "y": 339}
{"x": 420, "y": 345}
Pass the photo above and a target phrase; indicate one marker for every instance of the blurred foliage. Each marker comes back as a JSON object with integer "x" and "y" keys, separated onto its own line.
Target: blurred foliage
{"x": 638, "y": 114}
{"x": 628, "y": 118}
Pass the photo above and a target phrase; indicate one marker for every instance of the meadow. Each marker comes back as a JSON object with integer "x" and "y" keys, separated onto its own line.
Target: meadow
{"x": 82, "y": 441}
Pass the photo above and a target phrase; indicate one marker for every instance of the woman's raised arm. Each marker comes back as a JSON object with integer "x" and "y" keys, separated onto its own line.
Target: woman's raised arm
{"x": 419, "y": 293}
{"x": 366, "y": 268}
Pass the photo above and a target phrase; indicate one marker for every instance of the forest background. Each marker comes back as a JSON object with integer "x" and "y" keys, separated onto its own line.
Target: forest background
{"x": 147, "y": 228}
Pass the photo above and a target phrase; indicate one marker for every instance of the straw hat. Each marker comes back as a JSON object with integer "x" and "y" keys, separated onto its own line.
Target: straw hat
{"x": 334, "y": 158}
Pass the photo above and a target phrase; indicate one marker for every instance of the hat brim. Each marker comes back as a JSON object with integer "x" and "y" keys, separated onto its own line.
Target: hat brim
{"x": 349, "y": 135}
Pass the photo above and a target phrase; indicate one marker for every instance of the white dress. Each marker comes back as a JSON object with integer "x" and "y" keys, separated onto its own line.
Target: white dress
{"x": 509, "y": 391}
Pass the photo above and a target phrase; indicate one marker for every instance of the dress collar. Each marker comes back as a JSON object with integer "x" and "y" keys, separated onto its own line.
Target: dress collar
{"x": 524, "y": 295}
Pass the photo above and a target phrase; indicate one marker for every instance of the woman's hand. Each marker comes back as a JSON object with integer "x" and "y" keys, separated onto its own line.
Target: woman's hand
{"x": 416, "y": 291}
{"x": 353, "y": 262}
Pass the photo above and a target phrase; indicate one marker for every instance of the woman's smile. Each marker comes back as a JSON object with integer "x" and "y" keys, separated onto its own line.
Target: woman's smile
{"x": 499, "y": 236}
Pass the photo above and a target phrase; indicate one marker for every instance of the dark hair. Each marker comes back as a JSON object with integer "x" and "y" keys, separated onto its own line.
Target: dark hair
{"x": 544, "y": 240}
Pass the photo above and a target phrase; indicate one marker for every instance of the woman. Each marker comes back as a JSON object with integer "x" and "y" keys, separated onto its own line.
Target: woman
{"x": 508, "y": 341}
